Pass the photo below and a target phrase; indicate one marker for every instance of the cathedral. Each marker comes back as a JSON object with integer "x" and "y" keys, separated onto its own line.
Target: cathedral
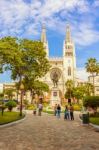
{"x": 62, "y": 68}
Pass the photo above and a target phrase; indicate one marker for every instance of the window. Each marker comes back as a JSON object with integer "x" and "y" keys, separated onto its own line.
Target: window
{"x": 68, "y": 47}
{"x": 98, "y": 80}
{"x": 69, "y": 71}
{"x": 69, "y": 54}
{"x": 69, "y": 61}
{"x": 97, "y": 89}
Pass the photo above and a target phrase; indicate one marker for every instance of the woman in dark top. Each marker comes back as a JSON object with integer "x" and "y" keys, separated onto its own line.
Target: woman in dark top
{"x": 71, "y": 112}
{"x": 58, "y": 111}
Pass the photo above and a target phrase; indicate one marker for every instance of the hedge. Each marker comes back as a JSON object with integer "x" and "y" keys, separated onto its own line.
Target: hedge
{"x": 91, "y": 101}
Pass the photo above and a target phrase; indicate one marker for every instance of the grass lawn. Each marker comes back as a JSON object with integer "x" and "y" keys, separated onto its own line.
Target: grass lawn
{"x": 48, "y": 111}
{"x": 94, "y": 120}
{"x": 9, "y": 117}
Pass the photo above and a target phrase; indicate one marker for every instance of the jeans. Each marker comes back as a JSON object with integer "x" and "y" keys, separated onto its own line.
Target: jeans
{"x": 58, "y": 113}
{"x": 55, "y": 112}
{"x": 66, "y": 115}
{"x": 71, "y": 115}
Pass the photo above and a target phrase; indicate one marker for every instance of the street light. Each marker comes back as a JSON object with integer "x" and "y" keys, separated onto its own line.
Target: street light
{"x": 21, "y": 98}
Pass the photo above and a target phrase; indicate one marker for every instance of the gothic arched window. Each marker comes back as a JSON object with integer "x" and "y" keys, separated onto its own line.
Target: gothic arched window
{"x": 69, "y": 71}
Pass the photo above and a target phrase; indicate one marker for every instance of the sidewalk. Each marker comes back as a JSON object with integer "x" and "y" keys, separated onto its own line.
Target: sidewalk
{"x": 46, "y": 132}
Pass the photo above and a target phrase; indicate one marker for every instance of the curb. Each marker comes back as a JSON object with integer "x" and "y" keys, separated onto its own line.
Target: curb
{"x": 13, "y": 123}
{"x": 96, "y": 127}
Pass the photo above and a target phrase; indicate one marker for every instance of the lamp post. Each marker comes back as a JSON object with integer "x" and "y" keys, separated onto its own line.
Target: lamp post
{"x": 21, "y": 98}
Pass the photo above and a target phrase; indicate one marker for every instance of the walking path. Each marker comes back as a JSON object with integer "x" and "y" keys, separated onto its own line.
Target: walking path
{"x": 48, "y": 133}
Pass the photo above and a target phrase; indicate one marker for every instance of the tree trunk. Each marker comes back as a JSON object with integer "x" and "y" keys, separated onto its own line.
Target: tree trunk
{"x": 32, "y": 96}
{"x": 2, "y": 111}
{"x": 17, "y": 95}
{"x": 21, "y": 97}
{"x": 70, "y": 94}
{"x": 93, "y": 85}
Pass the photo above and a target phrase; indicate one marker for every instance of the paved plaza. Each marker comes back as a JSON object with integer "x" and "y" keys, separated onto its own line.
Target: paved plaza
{"x": 48, "y": 133}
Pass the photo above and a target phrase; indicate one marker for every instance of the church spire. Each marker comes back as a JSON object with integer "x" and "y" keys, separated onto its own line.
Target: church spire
{"x": 44, "y": 40}
{"x": 68, "y": 34}
{"x": 43, "y": 34}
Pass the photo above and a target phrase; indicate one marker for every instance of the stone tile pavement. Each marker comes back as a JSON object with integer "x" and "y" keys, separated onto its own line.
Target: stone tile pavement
{"x": 48, "y": 133}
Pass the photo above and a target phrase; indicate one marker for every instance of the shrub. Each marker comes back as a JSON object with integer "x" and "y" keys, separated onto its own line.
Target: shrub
{"x": 45, "y": 104}
{"x": 30, "y": 107}
{"x": 77, "y": 107}
{"x": 94, "y": 115}
{"x": 2, "y": 108}
{"x": 0, "y": 102}
{"x": 91, "y": 101}
{"x": 26, "y": 102}
{"x": 10, "y": 104}
{"x": 48, "y": 111}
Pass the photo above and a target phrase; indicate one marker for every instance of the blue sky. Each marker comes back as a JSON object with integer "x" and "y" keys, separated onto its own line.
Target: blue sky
{"x": 24, "y": 18}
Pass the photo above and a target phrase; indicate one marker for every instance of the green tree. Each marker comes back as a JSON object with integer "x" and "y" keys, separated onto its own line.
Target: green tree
{"x": 25, "y": 58}
{"x": 35, "y": 87}
{"x": 89, "y": 89}
{"x": 97, "y": 69}
{"x": 92, "y": 68}
{"x": 2, "y": 106}
{"x": 7, "y": 52}
{"x": 91, "y": 101}
{"x": 12, "y": 55}
{"x": 10, "y": 104}
{"x": 69, "y": 88}
{"x": 1, "y": 96}
{"x": 40, "y": 87}
{"x": 9, "y": 92}
{"x": 79, "y": 92}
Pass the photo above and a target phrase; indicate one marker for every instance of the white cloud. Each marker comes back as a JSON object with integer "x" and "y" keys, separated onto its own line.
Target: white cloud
{"x": 23, "y": 19}
{"x": 82, "y": 74}
{"x": 85, "y": 34}
{"x": 96, "y": 3}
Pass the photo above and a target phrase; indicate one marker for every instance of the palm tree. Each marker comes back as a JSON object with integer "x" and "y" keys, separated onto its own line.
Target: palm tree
{"x": 91, "y": 67}
{"x": 97, "y": 69}
{"x": 69, "y": 86}
{"x": 89, "y": 89}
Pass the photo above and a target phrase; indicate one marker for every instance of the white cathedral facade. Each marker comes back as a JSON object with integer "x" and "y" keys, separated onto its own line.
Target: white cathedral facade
{"x": 62, "y": 68}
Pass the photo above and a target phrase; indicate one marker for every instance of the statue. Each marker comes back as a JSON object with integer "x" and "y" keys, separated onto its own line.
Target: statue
{"x": 55, "y": 79}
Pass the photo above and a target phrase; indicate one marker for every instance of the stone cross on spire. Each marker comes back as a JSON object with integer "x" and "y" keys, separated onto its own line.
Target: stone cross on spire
{"x": 68, "y": 34}
{"x": 43, "y": 34}
{"x": 44, "y": 40}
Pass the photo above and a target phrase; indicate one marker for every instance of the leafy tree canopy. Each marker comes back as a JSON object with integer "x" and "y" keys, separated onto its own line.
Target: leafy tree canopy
{"x": 25, "y": 58}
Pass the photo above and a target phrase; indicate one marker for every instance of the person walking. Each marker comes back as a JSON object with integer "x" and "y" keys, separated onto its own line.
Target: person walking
{"x": 55, "y": 109}
{"x": 66, "y": 113}
{"x": 40, "y": 108}
{"x": 58, "y": 111}
{"x": 35, "y": 109}
{"x": 71, "y": 112}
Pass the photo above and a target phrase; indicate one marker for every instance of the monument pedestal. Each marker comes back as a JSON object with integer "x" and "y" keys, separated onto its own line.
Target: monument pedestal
{"x": 55, "y": 97}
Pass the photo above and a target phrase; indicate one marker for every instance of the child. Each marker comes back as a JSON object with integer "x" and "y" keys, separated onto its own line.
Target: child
{"x": 66, "y": 113}
{"x": 34, "y": 112}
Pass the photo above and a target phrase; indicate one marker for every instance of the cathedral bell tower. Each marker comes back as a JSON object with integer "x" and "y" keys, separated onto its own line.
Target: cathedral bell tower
{"x": 44, "y": 40}
{"x": 69, "y": 58}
